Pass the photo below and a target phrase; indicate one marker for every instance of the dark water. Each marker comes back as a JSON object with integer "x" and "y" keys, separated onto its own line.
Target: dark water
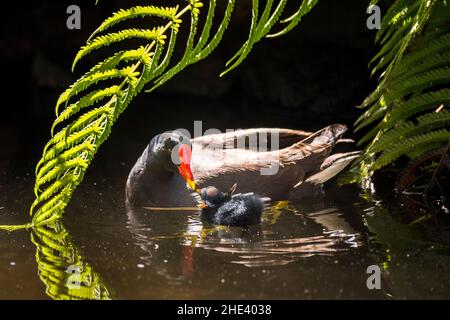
{"x": 319, "y": 249}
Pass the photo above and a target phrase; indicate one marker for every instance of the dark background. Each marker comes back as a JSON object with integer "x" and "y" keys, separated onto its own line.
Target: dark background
{"x": 313, "y": 76}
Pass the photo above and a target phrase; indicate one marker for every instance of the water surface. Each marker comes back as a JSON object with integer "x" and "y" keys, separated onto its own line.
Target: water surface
{"x": 319, "y": 249}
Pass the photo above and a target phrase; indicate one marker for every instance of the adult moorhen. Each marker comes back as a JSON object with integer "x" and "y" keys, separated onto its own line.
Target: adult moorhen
{"x": 303, "y": 162}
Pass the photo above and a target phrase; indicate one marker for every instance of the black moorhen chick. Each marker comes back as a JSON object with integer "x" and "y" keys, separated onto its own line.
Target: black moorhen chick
{"x": 231, "y": 210}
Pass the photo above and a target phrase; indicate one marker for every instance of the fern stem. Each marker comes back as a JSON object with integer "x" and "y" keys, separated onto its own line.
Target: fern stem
{"x": 16, "y": 227}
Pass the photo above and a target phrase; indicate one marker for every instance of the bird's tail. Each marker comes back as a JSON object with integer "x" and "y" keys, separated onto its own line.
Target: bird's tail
{"x": 333, "y": 163}
{"x": 332, "y": 166}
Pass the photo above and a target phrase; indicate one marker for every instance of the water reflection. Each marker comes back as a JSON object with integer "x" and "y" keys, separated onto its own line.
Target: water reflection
{"x": 285, "y": 235}
{"x": 299, "y": 251}
{"x": 62, "y": 268}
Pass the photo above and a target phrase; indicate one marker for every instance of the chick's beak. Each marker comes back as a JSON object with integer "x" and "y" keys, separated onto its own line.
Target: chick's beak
{"x": 202, "y": 205}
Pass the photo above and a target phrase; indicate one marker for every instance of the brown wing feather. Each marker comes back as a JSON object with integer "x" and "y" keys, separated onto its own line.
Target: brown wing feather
{"x": 287, "y": 137}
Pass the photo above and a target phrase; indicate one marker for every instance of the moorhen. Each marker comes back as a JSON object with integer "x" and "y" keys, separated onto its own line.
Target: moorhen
{"x": 230, "y": 209}
{"x": 303, "y": 163}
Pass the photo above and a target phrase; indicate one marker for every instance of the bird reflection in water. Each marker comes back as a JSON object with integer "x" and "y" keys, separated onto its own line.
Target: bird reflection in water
{"x": 285, "y": 235}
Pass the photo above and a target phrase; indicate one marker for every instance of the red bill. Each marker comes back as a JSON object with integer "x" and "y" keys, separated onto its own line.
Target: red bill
{"x": 185, "y": 154}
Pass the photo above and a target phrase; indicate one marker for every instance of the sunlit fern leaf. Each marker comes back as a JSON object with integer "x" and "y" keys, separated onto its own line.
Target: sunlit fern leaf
{"x": 93, "y": 79}
{"x": 217, "y": 37}
{"x": 72, "y": 153}
{"x": 414, "y": 59}
{"x": 390, "y": 49}
{"x": 396, "y": 15}
{"x": 405, "y": 71}
{"x": 86, "y": 101}
{"x": 251, "y": 38}
{"x": 108, "y": 39}
{"x": 135, "y": 12}
{"x": 415, "y": 105}
{"x": 168, "y": 55}
{"x": 189, "y": 50}
{"x": 202, "y": 48}
{"x": 104, "y": 66}
{"x": 263, "y": 27}
{"x": 417, "y": 83}
{"x": 259, "y": 28}
{"x": 376, "y": 112}
{"x": 400, "y": 112}
{"x": 404, "y": 146}
{"x": 295, "y": 19}
{"x": 427, "y": 122}
{"x": 415, "y": 28}
{"x": 60, "y": 169}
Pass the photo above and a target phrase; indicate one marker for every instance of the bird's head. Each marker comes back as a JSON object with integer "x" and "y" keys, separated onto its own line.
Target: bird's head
{"x": 165, "y": 150}
{"x": 211, "y": 197}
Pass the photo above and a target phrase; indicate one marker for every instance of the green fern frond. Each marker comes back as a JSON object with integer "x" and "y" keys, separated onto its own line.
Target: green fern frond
{"x": 295, "y": 19}
{"x": 206, "y": 51}
{"x": 72, "y": 153}
{"x": 59, "y": 169}
{"x": 427, "y": 122}
{"x": 243, "y": 51}
{"x": 86, "y": 101}
{"x": 403, "y": 147}
{"x": 168, "y": 55}
{"x": 397, "y": 13}
{"x": 376, "y": 112}
{"x": 390, "y": 49}
{"x": 414, "y": 57}
{"x": 406, "y": 70}
{"x": 417, "y": 61}
{"x": 83, "y": 135}
{"x": 135, "y": 12}
{"x": 108, "y": 39}
{"x": 93, "y": 79}
{"x": 369, "y": 136}
{"x": 415, "y": 105}
{"x": 417, "y": 83}
{"x": 253, "y": 27}
{"x": 56, "y": 186}
{"x": 189, "y": 50}
{"x": 259, "y": 28}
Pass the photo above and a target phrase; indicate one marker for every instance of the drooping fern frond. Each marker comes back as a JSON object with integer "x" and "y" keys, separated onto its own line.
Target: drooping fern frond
{"x": 135, "y": 12}
{"x": 407, "y": 113}
{"x": 406, "y": 145}
{"x": 88, "y": 109}
{"x": 425, "y": 123}
{"x": 155, "y": 34}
